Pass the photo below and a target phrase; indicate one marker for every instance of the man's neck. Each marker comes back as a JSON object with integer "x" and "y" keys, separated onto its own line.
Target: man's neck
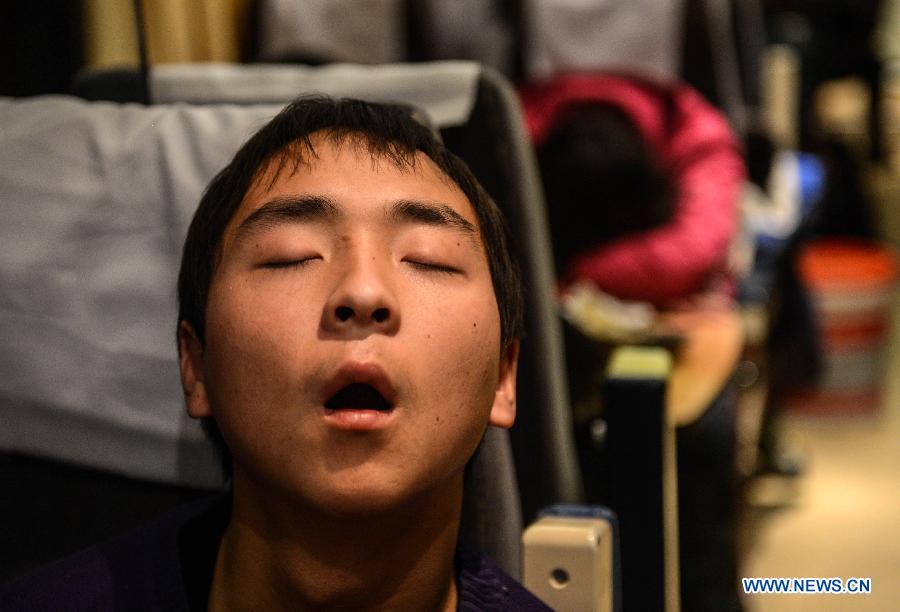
{"x": 282, "y": 556}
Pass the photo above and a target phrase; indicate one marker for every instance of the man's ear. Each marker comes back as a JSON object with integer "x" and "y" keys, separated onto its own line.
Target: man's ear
{"x": 191, "y": 362}
{"x": 503, "y": 412}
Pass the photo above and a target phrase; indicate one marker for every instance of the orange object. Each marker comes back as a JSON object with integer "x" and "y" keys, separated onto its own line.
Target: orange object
{"x": 851, "y": 284}
{"x": 846, "y": 264}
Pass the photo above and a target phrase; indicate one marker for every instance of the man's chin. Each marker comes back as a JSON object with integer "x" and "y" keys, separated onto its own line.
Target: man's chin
{"x": 363, "y": 500}
{"x": 362, "y": 504}
{"x": 367, "y": 501}
{"x": 365, "y": 490}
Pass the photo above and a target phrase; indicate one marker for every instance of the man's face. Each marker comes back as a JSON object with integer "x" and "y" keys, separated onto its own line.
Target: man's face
{"x": 352, "y": 356}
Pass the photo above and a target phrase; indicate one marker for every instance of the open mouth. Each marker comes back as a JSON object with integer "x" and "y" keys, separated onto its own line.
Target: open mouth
{"x": 358, "y": 396}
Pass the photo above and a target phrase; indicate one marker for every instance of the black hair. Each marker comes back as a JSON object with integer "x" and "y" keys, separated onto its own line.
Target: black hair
{"x": 602, "y": 180}
{"x": 385, "y": 130}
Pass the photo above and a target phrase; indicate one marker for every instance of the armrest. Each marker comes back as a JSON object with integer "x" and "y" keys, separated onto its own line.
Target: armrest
{"x": 643, "y": 482}
{"x": 571, "y": 558}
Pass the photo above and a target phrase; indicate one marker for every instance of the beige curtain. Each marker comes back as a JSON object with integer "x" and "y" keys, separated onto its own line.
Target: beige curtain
{"x": 176, "y": 31}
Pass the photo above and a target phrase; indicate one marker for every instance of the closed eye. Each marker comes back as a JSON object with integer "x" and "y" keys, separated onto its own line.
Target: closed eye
{"x": 427, "y": 266}
{"x": 287, "y": 264}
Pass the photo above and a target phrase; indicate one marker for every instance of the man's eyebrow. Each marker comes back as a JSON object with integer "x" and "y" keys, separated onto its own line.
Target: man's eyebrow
{"x": 288, "y": 209}
{"x": 432, "y": 213}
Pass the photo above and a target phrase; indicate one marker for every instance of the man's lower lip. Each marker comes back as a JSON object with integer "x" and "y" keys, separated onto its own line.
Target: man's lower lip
{"x": 358, "y": 419}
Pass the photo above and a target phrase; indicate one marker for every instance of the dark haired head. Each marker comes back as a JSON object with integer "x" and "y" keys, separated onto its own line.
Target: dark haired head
{"x": 285, "y": 145}
{"x": 602, "y": 181}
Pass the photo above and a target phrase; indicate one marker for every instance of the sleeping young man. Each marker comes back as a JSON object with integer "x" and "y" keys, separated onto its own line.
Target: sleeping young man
{"x": 348, "y": 323}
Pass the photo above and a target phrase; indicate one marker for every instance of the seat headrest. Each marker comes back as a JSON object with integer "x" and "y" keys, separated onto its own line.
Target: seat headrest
{"x": 445, "y": 91}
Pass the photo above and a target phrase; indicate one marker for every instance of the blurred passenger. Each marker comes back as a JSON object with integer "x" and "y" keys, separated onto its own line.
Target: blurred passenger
{"x": 642, "y": 181}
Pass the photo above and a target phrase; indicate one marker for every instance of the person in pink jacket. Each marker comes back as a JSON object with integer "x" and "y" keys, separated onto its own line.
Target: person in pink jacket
{"x": 643, "y": 181}
{"x": 662, "y": 233}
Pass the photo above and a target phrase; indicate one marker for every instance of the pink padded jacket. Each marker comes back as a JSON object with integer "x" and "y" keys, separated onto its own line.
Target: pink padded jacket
{"x": 695, "y": 142}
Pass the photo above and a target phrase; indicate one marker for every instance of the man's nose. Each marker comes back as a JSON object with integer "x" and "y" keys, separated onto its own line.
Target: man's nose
{"x": 363, "y": 300}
